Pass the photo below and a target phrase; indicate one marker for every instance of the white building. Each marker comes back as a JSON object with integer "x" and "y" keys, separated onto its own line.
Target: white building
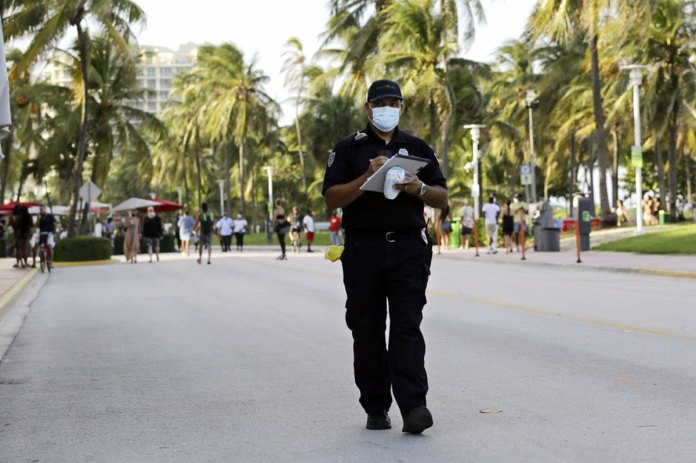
{"x": 155, "y": 71}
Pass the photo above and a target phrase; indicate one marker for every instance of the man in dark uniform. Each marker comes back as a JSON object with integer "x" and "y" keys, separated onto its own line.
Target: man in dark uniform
{"x": 386, "y": 259}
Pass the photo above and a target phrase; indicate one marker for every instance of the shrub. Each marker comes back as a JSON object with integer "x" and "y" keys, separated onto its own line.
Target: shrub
{"x": 82, "y": 248}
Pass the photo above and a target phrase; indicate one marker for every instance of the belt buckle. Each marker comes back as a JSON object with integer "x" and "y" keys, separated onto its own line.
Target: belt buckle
{"x": 390, "y": 237}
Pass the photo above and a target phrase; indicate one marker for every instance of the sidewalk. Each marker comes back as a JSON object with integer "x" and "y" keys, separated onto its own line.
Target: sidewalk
{"x": 674, "y": 266}
{"x": 12, "y": 280}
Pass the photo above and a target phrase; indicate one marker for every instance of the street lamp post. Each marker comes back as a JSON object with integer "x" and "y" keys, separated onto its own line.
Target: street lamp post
{"x": 636, "y": 77}
{"x": 532, "y": 101}
{"x": 269, "y": 224}
{"x": 221, "y": 184}
{"x": 476, "y": 187}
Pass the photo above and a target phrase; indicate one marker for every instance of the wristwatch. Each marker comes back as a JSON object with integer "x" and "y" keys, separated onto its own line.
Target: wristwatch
{"x": 423, "y": 189}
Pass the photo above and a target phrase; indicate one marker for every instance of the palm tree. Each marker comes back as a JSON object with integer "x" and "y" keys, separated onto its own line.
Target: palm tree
{"x": 50, "y": 20}
{"x": 237, "y": 101}
{"x": 294, "y": 67}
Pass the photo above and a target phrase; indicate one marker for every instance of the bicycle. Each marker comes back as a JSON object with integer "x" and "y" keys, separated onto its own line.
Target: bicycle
{"x": 45, "y": 263}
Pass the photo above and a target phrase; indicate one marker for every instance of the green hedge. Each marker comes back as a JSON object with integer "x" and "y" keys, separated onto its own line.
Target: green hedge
{"x": 167, "y": 244}
{"x": 81, "y": 248}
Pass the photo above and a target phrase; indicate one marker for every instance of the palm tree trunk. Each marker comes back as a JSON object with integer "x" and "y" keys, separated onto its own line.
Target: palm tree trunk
{"x": 660, "y": 168}
{"x": 589, "y": 172}
{"x": 598, "y": 109}
{"x": 198, "y": 174}
{"x": 673, "y": 166}
{"x": 687, "y": 169}
{"x": 615, "y": 167}
{"x": 241, "y": 176}
{"x": 84, "y": 127}
{"x": 228, "y": 197}
{"x": 572, "y": 176}
{"x": 299, "y": 142}
{"x": 433, "y": 124}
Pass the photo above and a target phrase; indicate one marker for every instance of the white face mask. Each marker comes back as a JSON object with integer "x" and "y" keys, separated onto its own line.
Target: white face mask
{"x": 385, "y": 118}
{"x": 151, "y": 215}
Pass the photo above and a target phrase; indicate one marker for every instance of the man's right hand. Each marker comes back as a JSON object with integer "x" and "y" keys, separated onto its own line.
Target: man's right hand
{"x": 375, "y": 164}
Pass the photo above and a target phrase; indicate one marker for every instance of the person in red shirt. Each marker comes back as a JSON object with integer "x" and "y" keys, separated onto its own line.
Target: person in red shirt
{"x": 335, "y": 228}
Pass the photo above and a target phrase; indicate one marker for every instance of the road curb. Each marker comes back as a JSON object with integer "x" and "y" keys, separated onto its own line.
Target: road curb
{"x": 639, "y": 270}
{"x": 6, "y": 298}
{"x": 86, "y": 262}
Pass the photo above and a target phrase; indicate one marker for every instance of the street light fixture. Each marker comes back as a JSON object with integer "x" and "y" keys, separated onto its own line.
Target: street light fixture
{"x": 636, "y": 77}
{"x": 476, "y": 187}
{"x": 531, "y": 102}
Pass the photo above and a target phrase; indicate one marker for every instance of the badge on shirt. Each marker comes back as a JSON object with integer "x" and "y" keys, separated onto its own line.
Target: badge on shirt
{"x": 403, "y": 152}
{"x": 332, "y": 156}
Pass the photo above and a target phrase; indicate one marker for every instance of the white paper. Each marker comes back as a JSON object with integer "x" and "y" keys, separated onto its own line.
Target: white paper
{"x": 410, "y": 164}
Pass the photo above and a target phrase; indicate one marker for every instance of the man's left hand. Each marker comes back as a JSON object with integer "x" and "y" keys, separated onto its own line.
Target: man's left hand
{"x": 411, "y": 184}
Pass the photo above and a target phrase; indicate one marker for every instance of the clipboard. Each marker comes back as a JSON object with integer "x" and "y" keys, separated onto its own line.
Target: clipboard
{"x": 410, "y": 164}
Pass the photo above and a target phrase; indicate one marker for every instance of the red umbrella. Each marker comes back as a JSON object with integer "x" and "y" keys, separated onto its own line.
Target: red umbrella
{"x": 10, "y": 206}
{"x": 166, "y": 206}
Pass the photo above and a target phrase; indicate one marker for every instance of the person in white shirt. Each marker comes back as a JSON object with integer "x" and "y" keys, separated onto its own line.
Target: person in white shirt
{"x": 490, "y": 214}
{"x": 239, "y": 228}
{"x": 308, "y": 224}
{"x": 467, "y": 216}
{"x": 224, "y": 227}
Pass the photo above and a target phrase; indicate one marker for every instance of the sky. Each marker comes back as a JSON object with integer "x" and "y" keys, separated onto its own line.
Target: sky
{"x": 262, "y": 28}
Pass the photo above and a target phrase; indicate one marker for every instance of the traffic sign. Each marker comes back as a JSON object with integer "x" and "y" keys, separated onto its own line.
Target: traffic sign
{"x": 89, "y": 191}
{"x": 636, "y": 157}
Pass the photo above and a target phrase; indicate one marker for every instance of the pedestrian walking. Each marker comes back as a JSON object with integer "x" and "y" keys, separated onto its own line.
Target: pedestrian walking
{"x": 386, "y": 261}
{"x": 296, "y": 229}
{"x": 490, "y": 213}
{"x": 131, "y": 237}
{"x": 177, "y": 232}
{"x": 308, "y": 224}
{"x": 508, "y": 225}
{"x": 152, "y": 232}
{"x": 185, "y": 227}
{"x": 467, "y": 217}
{"x": 22, "y": 225}
{"x": 281, "y": 227}
{"x": 335, "y": 228}
{"x": 204, "y": 225}
{"x": 239, "y": 228}
{"x": 445, "y": 225}
{"x": 225, "y": 226}
{"x": 621, "y": 213}
{"x": 520, "y": 209}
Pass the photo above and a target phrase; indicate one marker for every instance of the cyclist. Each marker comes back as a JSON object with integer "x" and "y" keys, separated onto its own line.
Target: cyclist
{"x": 46, "y": 223}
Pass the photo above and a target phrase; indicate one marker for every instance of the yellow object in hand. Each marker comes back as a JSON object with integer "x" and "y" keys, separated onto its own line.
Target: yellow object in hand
{"x": 333, "y": 253}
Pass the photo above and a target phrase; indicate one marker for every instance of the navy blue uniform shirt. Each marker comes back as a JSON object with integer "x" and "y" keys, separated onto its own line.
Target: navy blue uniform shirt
{"x": 372, "y": 212}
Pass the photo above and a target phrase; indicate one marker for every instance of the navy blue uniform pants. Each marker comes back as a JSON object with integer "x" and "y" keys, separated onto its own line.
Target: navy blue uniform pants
{"x": 380, "y": 275}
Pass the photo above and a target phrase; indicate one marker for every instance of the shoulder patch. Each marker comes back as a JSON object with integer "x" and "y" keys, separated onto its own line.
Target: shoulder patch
{"x": 332, "y": 156}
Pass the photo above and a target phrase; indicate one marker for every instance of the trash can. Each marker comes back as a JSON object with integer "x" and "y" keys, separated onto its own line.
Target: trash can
{"x": 661, "y": 215}
{"x": 547, "y": 236}
{"x": 456, "y": 235}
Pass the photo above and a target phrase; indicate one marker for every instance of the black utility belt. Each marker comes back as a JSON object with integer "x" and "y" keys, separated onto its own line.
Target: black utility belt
{"x": 388, "y": 236}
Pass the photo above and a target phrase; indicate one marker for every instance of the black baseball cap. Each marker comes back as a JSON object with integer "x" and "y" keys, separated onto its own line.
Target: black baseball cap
{"x": 383, "y": 89}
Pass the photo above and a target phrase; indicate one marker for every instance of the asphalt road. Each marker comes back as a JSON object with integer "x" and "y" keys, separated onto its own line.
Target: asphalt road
{"x": 249, "y": 360}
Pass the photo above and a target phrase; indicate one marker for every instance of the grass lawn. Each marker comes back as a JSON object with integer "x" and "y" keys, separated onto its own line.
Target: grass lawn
{"x": 678, "y": 240}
